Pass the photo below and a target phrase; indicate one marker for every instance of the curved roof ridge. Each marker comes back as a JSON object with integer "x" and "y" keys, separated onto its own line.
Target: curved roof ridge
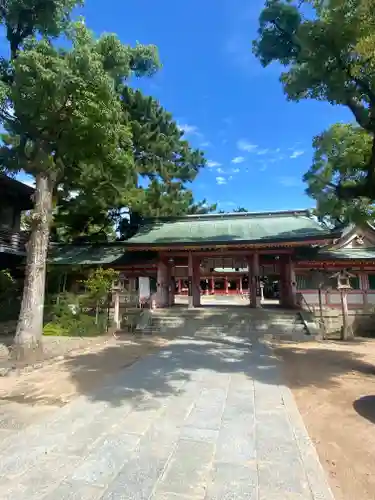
{"x": 231, "y": 215}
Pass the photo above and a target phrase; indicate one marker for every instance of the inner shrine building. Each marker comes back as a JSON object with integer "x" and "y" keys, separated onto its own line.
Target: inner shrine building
{"x": 283, "y": 255}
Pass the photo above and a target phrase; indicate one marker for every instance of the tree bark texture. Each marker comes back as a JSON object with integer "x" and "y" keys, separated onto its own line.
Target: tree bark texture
{"x": 28, "y": 338}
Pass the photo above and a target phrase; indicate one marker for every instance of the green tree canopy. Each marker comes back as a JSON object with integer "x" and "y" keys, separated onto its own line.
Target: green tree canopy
{"x": 328, "y": 49}
{"x": 164, "y": 165}
{"x": 341, "y": 155}
{"x": 66, "y": 127}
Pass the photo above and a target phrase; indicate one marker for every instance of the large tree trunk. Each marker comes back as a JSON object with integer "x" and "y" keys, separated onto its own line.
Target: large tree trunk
{"x": 28, "y": 338}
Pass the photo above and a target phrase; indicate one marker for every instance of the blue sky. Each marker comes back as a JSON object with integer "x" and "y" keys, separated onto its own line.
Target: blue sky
{"x": 257, "y": 144}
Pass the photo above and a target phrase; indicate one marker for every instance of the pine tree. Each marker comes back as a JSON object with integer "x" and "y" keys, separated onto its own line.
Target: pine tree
{"x": 164, "y": 167}
{"x": 65, "y": 125}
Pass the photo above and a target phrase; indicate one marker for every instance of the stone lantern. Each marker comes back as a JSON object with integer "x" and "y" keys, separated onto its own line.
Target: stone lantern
{"x": 343, "y": 286}
{"x": 343, "y": 280}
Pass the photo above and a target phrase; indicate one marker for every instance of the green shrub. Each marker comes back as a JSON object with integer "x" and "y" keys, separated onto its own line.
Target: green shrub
{"x": 82, "y": 325}
{"x": 75, "y": 316}
{"x": 55, "y": 330}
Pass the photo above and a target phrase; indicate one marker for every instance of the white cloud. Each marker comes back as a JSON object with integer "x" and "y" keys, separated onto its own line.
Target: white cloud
{"x": 220, "y": 171}
{"x": 262, "y": 152}
{"x": 211, "y": 163}
{"x": 289, "y": 181}
{"x": 188, "y": 129}
{"x": 244, "y": 145}
{"x": 238, "y": 159}
{"x": 205, "y": 144}
{"x": 221, "y": 180}
{"x": 297, "y": 153}
{"x": 235, "y": 170}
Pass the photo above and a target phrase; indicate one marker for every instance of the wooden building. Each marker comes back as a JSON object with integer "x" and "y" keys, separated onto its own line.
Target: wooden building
{"x": 15, "y": 198}
{"x": 239, "y": 254}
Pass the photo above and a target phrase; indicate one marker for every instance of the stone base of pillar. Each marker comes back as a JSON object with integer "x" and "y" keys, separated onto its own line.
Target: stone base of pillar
{"x": 257, "y": 304}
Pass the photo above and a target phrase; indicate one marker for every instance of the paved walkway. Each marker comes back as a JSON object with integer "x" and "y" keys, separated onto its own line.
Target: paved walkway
{"x": 201, "y": 419}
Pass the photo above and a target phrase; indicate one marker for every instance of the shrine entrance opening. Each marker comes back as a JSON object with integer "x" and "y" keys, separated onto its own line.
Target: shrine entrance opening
{"x": 200, "y": 279}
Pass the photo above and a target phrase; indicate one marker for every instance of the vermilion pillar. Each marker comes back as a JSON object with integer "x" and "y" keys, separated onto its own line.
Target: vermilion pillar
{"x": 179, "y": 286}
{"x": 163, "y": 283}
{"x": 254, "y": 277}
{"x": 226, "y": 285}
{"x": 288, "y": 295}
{"x": 293, "y": 283}
{"x": 194, "y": 293}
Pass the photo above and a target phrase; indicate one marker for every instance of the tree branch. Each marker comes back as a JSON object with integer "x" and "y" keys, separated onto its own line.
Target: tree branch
{"x": 359, "y": 114}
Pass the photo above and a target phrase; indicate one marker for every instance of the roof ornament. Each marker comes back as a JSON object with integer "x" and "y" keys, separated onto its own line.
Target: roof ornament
{"x": 359, "y": 240}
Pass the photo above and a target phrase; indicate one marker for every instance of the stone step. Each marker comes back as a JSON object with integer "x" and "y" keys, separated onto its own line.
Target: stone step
{"x": 218, "y": 322}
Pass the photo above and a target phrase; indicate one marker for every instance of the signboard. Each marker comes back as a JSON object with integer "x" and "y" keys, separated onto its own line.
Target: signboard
{"x": 144, "y": 287}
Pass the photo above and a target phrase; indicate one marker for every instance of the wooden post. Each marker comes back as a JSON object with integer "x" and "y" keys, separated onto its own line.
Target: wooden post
{"x": 261, "y": 285}
{"x": 163, "y": 284}
{"x": 116, "y": 315}
{"x": 292, "y": 283}
{"x": 179, "y": 285}
{"x": 346, "y": 332}
{"x": 212, "y": 285}
{"x": 226, "y": 285}
{"x": 240, "y": 284}
{"x": 322, "y": 325}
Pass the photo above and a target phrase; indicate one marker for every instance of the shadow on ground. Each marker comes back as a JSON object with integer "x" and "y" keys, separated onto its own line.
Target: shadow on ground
{"x": 365, "y": 407}
{"x": 217, "y": 344}
{"x": 320, "y": 367}
{"x": 222, "y": 341}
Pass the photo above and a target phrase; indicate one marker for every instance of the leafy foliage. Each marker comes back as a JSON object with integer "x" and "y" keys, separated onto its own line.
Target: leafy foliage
{"x": 69, "y": 317}
{"x": 63, "y": 116}
{"x": 328, "y": 48}
{"x": 239, "y": 209}
{"x": 99, "y": 283}
{"x": 164, "y": 165}
{"x": 341, "y": 155}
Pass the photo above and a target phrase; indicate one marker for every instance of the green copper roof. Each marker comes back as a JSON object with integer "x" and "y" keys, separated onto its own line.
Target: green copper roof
{"x": 347, "y": 254}
{"x": 229, "y": 228}
{"x": 85, "y": 254}
{"x": 100, "y": 255}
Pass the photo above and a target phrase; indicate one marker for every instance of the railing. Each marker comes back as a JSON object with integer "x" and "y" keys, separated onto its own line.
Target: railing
{"x": 13, "y": 241}
{"x": 301, "y": 301}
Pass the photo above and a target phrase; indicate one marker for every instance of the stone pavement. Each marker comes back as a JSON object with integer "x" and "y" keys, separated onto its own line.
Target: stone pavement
{"x": 200, "y": 419}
